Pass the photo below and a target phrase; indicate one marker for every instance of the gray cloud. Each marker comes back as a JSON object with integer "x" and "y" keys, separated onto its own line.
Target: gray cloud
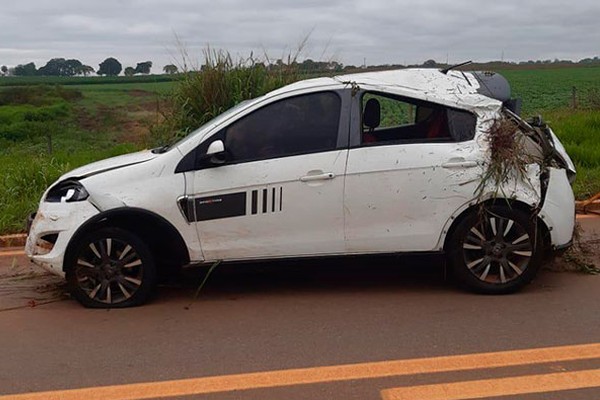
{"x": 348, "y": 31}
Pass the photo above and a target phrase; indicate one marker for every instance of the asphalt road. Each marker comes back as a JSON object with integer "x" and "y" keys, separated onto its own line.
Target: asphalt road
{"x": 368, "y": 328}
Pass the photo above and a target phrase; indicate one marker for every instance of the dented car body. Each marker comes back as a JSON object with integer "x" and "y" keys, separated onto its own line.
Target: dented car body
{"x": 371, "y": 163}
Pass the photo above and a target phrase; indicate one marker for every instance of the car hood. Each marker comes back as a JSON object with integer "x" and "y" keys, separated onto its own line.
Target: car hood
{"x": 110, "y": 164}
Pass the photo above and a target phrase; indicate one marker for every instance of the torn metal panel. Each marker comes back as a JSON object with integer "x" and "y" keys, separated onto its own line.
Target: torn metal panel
{"x": 558, "y": 211}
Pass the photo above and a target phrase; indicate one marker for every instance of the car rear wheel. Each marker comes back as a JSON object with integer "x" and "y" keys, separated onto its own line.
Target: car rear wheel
{"x": 496, "y": 250}
{"x": 111, "y": 268}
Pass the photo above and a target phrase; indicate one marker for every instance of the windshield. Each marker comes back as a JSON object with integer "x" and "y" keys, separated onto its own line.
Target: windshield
{"x": 215, "y": 121}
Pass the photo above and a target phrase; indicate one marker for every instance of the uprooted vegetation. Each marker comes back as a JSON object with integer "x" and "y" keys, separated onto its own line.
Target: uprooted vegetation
{"x": 508, "y": 158}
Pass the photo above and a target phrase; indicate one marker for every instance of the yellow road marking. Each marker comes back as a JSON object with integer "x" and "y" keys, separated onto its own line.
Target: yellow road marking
{"x": 486, "y": 388}
{"x": 227, "y": 383}
{"x": 12, "y": 253}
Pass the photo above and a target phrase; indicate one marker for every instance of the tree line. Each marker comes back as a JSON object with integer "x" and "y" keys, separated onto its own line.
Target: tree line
{"x": 73, "y": 67}
{"x": 112, "y": 67}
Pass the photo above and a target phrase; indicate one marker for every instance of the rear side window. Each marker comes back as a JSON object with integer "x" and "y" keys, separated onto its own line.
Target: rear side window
{"x": 461, "y": 125}
{"x": 297, "y": 125}
{"x": 393, "y": 119}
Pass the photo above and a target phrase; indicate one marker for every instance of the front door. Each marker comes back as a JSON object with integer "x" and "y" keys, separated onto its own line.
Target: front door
{"x": 280, "y": 191}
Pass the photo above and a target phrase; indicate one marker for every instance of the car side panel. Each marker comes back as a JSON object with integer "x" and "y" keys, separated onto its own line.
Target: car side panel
{"x": 399, "y": 197}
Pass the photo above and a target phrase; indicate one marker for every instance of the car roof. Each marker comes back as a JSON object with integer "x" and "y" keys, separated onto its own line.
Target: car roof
{"x": 455, "y": 89}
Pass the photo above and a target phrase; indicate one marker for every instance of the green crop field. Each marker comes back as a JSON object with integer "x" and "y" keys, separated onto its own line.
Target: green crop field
{"x": 550, "y": 89}
{"x": 83, "y": 80}
{"x": 46, "y": 129}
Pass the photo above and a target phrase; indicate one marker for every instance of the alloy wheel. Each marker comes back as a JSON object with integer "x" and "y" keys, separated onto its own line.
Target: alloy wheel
{"x": 109, "y": 270}
{"x": 497, "y": 249}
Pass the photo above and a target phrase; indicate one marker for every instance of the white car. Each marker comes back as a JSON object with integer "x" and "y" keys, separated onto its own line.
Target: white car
{"x": 370, "y": 163}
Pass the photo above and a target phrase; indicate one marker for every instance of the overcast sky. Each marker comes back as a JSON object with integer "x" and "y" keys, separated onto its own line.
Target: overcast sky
{"x": 346, "y": 31}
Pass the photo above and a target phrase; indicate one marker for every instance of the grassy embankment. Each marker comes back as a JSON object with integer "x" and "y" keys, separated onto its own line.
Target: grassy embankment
{"x": 46, "y": 131}
{"x": 94, "y": 118}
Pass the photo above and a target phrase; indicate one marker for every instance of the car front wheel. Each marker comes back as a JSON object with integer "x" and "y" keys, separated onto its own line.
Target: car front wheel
{"x": 111, "y": 268}
{"x": 495, "y": 250}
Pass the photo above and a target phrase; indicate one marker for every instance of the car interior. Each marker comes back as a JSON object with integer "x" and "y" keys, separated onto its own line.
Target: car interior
{"x": 421, "y": 123}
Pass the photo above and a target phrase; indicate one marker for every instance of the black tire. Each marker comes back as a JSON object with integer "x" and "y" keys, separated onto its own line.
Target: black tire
{"x": 111, "y": 268}
{"x": 495, "y": 250}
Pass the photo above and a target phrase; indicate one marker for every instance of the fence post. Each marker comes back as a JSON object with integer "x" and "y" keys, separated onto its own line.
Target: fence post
{"x": 574, "y": 97}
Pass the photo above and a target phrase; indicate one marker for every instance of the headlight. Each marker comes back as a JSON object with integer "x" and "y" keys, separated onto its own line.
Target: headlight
{"x": 67, "y": 191}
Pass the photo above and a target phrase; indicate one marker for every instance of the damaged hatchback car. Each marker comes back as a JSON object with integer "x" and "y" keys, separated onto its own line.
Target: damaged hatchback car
{"x": 413, "y": 160}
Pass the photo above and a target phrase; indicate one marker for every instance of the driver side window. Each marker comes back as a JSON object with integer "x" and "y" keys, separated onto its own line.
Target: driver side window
{"x": 298, "y": 125}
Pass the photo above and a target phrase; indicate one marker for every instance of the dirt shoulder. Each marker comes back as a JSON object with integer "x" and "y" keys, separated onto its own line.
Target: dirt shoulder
{"x": 23, "y": 284}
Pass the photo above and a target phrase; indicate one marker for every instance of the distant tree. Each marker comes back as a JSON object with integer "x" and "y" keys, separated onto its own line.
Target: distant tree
{"x": 111, "y": 67}
{"x": 53, "y": 67}
{"x": 308, "y": 65}
{"x": 129, "y": 71}
{"x": 61, "y": 67}
{"x": 143, "y": 67}
{"x": 4, "y": 70}
{"x": 170, "y": 69}
{"x": 430, "y": 64}
{"x": 25, "y": 70}
{"x": 85, "y": 70}
{"x": 335, "y": 66}
{"x": 72, "y": 67}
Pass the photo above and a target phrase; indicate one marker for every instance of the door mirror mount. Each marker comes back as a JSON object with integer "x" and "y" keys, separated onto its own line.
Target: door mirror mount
{"x": 215, "y": 153}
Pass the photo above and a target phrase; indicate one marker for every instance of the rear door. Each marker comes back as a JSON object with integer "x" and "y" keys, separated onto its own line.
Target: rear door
{"x": 280, "y": 191}
{"x": 411, "y": 165}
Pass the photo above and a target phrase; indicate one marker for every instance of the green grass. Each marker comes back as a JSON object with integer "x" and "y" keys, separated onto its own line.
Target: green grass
{"x": 223, "y": 83}
{"x": 93, "y": 118}
{"x": 81, "y": 80}
{"x": 26, "y": 173}
{"x": 579, "y": 131}
{"x": 25, "y": 129}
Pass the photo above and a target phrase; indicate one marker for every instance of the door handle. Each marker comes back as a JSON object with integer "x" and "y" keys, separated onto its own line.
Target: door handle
{"x": 459, "y": 162}
{"x": 318, "y": 177}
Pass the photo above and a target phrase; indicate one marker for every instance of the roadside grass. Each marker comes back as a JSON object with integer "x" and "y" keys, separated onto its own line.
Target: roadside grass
{"x": 579, "y": 131}
{"x": 219, "y": 85}
{"x": 41, "y": 141}
{"x": 26, "y": 175}
{"x": 96, "y": 118}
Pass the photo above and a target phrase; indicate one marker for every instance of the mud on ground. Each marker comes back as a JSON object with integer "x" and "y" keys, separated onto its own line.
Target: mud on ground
{"x": 22, "y": 284}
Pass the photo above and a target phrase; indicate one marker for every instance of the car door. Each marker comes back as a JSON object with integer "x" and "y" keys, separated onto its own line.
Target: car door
{"x": 278, "y": 189}
{"x": 411, "y": 165}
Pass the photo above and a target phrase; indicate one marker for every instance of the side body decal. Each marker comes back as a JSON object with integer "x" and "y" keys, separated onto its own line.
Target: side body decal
{"x": 255, "y": 202}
